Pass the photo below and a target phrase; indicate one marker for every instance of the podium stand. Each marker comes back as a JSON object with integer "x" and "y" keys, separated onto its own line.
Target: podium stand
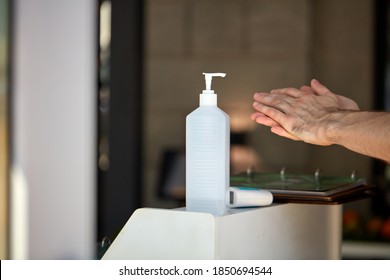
{"x": 280, "y": 231}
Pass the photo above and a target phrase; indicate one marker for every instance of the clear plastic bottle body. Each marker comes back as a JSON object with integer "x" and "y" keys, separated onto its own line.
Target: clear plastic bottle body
{"x": 207, "y": 160}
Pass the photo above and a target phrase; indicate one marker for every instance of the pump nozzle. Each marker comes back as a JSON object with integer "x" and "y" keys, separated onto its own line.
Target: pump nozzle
{"x": 209, "y": 77}
{"x": 207, "y": 97}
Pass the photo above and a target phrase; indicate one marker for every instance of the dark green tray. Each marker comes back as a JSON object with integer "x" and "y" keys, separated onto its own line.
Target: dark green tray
{"x": 306, "y": 188}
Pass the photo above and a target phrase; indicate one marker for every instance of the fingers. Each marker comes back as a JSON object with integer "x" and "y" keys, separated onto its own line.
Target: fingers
{"x": 315, "y": 88}
{"x": 275, "y": 127}
{"x": 278, "y": 101}
{"x": 293, "y": 92}
{"x": 319, "y": 88}
{"x": 282, "y": 132}
{"x": 263, "y": 119}
{"x": 271, "y": 108}
{"x": 344, "y": 103}
{"x": 274, "y": 112}
{"x": 307, "y": 89}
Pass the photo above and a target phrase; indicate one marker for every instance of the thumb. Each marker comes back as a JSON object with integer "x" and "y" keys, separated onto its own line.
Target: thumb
{"x": 319, "y": 88}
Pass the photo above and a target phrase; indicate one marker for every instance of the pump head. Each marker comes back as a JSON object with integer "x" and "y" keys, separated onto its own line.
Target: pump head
{"x": 207, "y": 97}
{"x": 208, "y": 78}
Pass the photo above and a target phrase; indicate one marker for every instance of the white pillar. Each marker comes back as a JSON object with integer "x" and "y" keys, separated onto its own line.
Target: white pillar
{"x": 53, "y": 129}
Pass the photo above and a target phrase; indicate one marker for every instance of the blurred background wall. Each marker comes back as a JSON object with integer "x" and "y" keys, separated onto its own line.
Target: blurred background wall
{"x": 261, "y": 45}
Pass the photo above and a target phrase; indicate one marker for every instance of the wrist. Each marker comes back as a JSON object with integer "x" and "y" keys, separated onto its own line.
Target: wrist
{"x": 335, "y": 125}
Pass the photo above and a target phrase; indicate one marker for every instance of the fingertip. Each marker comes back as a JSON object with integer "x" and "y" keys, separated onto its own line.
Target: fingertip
{"x": 319, "y": 88}
{"x": 315, "y": 82}
{"x": 253, "y": 116}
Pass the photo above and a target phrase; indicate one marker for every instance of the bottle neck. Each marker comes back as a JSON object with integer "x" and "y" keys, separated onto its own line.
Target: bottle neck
{"x": 208, "y": 100}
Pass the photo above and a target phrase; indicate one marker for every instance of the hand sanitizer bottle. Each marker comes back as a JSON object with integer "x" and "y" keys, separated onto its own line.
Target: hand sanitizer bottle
{"x": 207, "y": 154}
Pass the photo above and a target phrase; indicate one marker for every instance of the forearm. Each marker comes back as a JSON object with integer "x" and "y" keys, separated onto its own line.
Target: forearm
{"x": 367, "y": 133}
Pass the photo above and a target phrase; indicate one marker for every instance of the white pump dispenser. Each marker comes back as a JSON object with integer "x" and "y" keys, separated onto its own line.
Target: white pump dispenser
{"x": 208, "y": 97}
{"x": 207, "y": 154}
